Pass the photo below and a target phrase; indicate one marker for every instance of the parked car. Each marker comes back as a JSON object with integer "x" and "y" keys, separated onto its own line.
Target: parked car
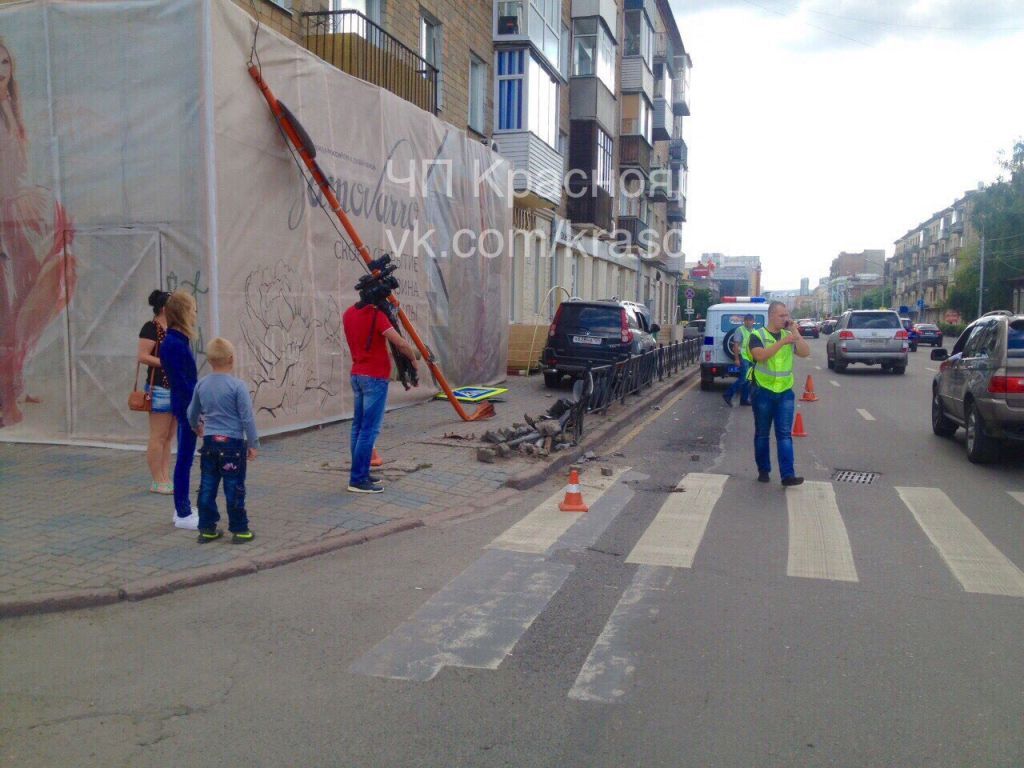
{"x": 980, "y": 385}
{"x": 868, "y": 337}
{"x": 908, "y": 326}
{"x": 588, "y": 334}
{"x": 808, "y": 328}
{"x": 928, "y": 333}
{"x": 694, "y": 329}
{"x": 828, "y": 326}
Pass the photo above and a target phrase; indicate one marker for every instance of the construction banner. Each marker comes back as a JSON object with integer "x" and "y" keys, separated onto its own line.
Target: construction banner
{"x": 133, "y": 158}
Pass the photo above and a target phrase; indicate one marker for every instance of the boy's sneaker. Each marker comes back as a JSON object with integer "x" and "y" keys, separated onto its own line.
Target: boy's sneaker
{"x": 190, "y": 523}
{"x": 209, "y": 534}
{"x": 243, "y": 537}
{"x": 367, "y": 487}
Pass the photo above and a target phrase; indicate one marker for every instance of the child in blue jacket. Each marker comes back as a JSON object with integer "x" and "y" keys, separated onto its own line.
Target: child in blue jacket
{"x": 180, "y": 366}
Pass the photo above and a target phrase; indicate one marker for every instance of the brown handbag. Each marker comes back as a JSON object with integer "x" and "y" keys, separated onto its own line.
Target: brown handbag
{"x": 139, "y": 399}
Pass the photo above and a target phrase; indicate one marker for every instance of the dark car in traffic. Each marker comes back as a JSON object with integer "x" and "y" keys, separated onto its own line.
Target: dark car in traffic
{"x": 808, "y": 328}
{"x": 980, "y": 385}
{"x": 928, "y": 333}
{"x": 589, "y": 334}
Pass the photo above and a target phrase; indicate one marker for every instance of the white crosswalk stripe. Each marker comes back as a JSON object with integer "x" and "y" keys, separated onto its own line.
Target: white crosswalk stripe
{"x": 1018, "y": 495}
{"x": 674, "y": 535}
{"x": 973, "y": 559}
{"x": 819, "y": 547}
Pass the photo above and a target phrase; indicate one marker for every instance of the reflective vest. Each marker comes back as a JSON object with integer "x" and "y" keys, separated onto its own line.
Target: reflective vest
{"x": 745, "y": 343}
{"x": 776, "y": 373}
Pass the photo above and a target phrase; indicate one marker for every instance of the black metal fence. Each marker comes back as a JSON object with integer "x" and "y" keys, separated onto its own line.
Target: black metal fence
{"x": 608, "y": 384}
{"x": 353, "y": 43}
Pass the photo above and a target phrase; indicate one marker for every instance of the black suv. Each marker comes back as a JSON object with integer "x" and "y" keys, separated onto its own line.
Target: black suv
{"x": 588, "y": 334}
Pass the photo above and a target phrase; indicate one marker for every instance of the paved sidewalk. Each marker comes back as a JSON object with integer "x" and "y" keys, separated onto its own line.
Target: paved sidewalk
{"x": 78, "y": 526}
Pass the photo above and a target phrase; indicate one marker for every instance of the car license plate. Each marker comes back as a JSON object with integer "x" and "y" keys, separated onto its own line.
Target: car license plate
{"x": 585, "y": 340}
{"x": 733, "y": 369}
{"x": 874, "y": 342}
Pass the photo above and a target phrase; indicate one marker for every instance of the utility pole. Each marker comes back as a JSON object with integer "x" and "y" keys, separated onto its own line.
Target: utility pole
{"x": 981, "y": 277}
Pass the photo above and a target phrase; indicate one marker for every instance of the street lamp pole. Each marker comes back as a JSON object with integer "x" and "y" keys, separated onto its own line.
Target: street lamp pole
{"x": 981, "y": 277}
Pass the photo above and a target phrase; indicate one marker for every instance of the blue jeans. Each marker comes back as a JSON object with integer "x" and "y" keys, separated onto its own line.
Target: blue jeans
{"x": 223, "y": 458}
{"x": 183, "y": 467}
{"x": 741, "y": 383}
{"x": 371, "y": 395}
{"x": 778, "y": 408}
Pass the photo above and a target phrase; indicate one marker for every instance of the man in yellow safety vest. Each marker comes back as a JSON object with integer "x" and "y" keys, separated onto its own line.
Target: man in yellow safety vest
{"x": 772, "y": 349}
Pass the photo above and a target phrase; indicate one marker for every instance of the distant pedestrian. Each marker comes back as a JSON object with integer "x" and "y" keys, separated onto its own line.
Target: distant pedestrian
{"x": 180, "y": 365}
{"x": 742, "y": 358}
{"x": 368, "y": 331}
{"x": 161, "y": 420}
{"x": 772, "y": 349}
{"x": 228, "y": 429}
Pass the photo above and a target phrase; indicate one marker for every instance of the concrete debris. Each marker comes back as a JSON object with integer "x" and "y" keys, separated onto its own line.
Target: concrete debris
{"x": 607, "y": 471}
{"x": 537, "y": 435}
{"x": 457, "y": 436}
{"x": 589, "y": 455}
{"x": 503, "y": 450}
{"x": 486, "y": 455}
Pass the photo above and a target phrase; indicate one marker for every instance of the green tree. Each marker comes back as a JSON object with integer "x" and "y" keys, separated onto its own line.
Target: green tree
{"x": 998, "y": 216}
{"x": 876, "y": 298}
{"x": 701, "y": 301}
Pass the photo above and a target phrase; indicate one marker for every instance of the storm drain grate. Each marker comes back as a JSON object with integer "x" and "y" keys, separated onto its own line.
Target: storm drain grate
{"x": 852, "y": 476}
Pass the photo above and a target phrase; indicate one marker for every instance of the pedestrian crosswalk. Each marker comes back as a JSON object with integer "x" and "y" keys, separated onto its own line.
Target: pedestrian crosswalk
{"x": 477, "y": 619}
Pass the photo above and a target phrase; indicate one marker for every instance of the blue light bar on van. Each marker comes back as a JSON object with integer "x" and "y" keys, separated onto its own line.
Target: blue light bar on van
{"x": 744, "y": 300}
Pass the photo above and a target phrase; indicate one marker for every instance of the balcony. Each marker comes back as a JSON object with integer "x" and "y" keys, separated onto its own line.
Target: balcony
{"x": 635, "y": 152}
{"x": 354, "y": 44}
{"x": 629, "y": 229}
{"x": 957, "y": 228}
{"x": 660, "y": 185}
{"x": 589, "y": 208}
{"x": 538, "y": 181}
{"x": 662, "y": 119}
{"x": 677, "y": 152}
{"x": 675, "y": 211}
{"x": 681, "y": 92}
{"x": 635, "y": 76}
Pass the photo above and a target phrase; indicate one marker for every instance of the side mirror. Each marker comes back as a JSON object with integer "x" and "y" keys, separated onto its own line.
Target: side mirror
{"x": 940, "y": 354}
{"x": 655, "y": 328}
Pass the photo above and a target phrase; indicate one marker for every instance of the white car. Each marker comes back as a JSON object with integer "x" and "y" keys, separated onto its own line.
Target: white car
{"x": 717, "y": 358}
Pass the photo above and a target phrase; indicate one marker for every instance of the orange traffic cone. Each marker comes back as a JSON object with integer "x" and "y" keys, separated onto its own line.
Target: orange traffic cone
{"x": 808, "y": 395}
{"x": 376, "y": 460}
{"x": 798, "y": 426}
{"x": 573, "y": 501}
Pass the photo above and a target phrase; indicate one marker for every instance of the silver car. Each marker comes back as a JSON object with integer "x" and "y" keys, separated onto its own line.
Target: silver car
{"x": 869, "y": 337}
{"x": 980, "y": 385}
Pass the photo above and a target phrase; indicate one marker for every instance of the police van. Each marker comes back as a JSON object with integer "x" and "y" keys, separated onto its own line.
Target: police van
{"x": 717, "y": 357}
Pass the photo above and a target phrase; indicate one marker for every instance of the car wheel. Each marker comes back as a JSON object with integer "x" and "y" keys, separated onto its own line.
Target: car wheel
{"x": 981, "y": 449}
{"x": 941, "y": 425}
{"x": 552, "y": 379}
{"x": 706, "y": 382}
{"x": 831, "y": 363}
{"x": 899, "y": 370}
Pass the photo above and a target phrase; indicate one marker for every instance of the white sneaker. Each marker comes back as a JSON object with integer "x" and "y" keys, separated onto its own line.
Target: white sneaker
{"x": 190, "y": 523}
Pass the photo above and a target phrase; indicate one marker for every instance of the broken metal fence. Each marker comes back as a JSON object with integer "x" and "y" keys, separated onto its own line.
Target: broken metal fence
{"x": 607, "y": 384}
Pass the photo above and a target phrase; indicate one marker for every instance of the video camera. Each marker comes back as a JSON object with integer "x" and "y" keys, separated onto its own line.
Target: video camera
{"x": 376, "y": 287}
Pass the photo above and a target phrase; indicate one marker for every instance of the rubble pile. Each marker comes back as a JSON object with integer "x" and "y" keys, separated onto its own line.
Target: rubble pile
{"x": 539, "y": 436}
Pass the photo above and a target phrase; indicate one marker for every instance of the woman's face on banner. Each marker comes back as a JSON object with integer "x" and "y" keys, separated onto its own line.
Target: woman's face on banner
{"x": 5, "y": 69}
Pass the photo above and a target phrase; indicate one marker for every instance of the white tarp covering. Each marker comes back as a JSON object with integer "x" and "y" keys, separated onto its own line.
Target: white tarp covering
{"x": 138, "y": 153}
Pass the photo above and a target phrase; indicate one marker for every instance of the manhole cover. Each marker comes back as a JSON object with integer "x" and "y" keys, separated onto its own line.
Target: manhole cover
{"x": 854, "y": 476}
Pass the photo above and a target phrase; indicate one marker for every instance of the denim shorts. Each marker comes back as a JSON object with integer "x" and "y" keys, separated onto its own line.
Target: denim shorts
{"x": 161, "y": 399}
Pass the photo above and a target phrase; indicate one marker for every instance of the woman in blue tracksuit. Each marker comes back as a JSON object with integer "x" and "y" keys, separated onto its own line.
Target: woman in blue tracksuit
{"x": 180, "y": 366}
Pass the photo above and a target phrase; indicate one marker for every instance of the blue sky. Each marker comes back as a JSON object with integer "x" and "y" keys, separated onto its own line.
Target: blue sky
{"x": 824, "y": 126}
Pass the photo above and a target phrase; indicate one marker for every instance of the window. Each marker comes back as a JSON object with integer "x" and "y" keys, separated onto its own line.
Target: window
{"x": 640, "y": 37}
{"x": 632, "y": 201}
{"x": 636, "y": 116}
{"x": 369, "y": 8}
{"x": 563, "y": 52}
{"x": 983, "y": 341}
{"x": 430, "y": 47}
{"x": 603, "y": 167}
{"x": 477, "y": 93}
{"x": 510, "y": 69}
{"x": 593, "y": 51}
{"x": 546, "y": 28}
{"x": 1015, "y": 339}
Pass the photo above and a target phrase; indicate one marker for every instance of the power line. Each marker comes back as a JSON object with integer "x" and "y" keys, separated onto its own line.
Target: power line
{"x": 809, "y": 24}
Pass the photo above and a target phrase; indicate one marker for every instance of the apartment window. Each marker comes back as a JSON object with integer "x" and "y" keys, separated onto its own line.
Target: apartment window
{"x": 431, "y": 48}
{"x": 543, "y": 100}
{"x": 603, "y": 170}
{"x": 369, "y": 8}
{"x": 477, "y": 93}
{"x": 640, "y": 37}
{"x": 527, "y": 96}
{"x": 546, "y": 27}
{"x": 510, "y": 69}
{"x": 563, "y": 52}
{"x": 632, "y": 200}
{"x": 636, "y": 116}
{"x": 593, "y": 51}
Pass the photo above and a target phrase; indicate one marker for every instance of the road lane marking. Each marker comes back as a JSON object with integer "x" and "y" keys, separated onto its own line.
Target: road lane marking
{"x": 610, "y": 666}
{"x": 546, "y": 524}
{"x": 475, "y": 621}
{"x": 933, "y": 370}
{"x": 834, "y": 383}
{"x": 819, "y": 547}
{"x": 674, "y": 535}
{"x": 643, "y": 424}
{"x": 817, "y": 367}
{"x": 1018, "y": 495}
{"x": 867, "y": 416}
{"x": 973, "y": 559}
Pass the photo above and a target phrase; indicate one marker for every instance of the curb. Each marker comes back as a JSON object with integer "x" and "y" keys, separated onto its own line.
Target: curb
{"x": 529, "y": 478}
{"x": 144, "y": 589}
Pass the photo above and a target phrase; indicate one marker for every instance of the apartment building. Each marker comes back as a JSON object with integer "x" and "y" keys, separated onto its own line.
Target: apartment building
{"x": 923, "y": 265}
{"x": 584, "y": 98}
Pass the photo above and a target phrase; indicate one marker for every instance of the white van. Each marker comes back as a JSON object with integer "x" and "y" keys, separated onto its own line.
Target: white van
{"x": 723, "y": 319}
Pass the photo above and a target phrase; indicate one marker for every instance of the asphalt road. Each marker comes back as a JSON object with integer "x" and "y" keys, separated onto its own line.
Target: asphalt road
{"x": 693, "y": 617}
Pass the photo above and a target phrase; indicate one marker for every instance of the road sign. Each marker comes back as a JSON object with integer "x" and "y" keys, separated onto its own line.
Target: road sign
{"x": 689, "y": 304}
{"x": 920, "y": 303}
{"x": 689, "y": 312}
{"x": 904, "y": 309}
{"x": 690, "y": 294}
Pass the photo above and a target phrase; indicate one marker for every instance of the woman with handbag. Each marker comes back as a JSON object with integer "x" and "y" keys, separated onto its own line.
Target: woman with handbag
{"x": 161, "y": 420}
{"x": 179, "y": 363}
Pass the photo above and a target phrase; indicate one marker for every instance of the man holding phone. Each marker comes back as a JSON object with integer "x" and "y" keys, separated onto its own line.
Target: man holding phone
{"x": 772, "y": 349}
